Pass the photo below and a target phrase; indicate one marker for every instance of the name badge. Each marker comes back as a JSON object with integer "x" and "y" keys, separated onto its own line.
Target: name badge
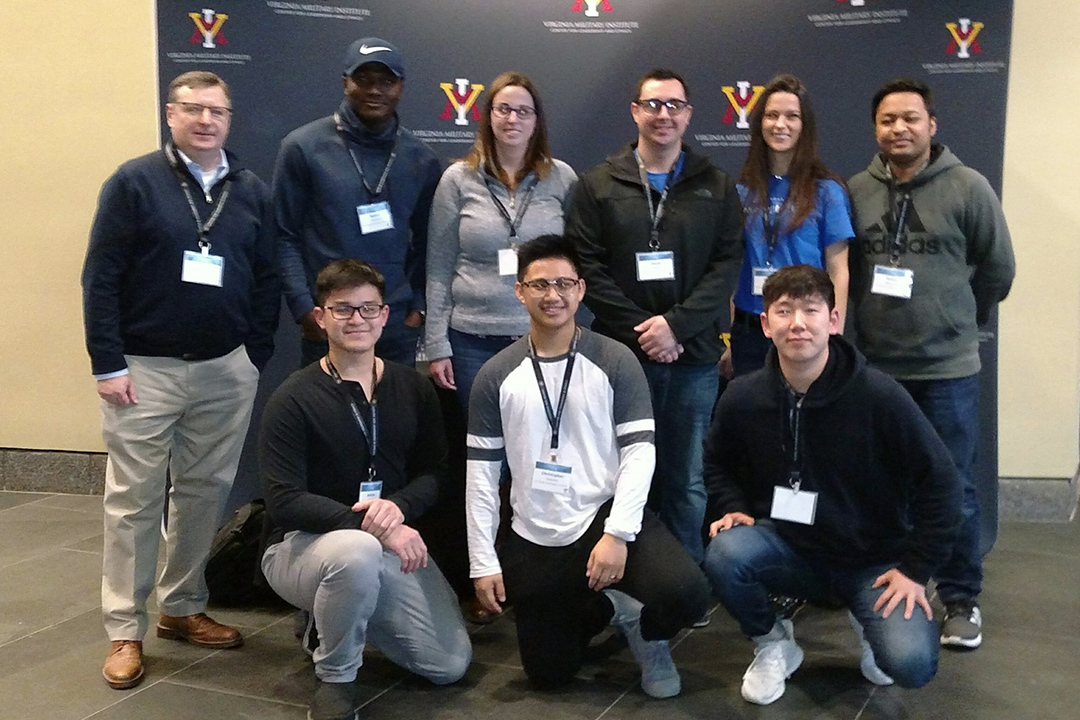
{"x": 892, "y": 281}
{"x": 551, "y": 477}
{"x": 761, "y": 274}
{"x": 202, "y": 268}
{"x": 371, "y": 490}
{"x": 658, "y": 265}
{"x": 508, "y": 262}
{"x": 793, "y": 505}
{"x": 375, "y": 217}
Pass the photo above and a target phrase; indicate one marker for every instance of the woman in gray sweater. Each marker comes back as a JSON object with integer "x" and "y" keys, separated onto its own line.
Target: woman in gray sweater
{"x": 507, "y": 191}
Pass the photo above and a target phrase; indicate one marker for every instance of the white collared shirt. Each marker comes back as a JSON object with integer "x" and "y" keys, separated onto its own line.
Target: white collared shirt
{"x": 206, "y": 179}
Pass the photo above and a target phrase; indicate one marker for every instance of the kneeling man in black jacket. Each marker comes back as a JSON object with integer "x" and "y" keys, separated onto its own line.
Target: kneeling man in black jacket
{"x": 826, "y": 481}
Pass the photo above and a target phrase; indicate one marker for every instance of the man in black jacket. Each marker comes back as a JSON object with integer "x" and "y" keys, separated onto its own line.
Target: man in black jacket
{"x": 352, "y": 452}
{"x": 659, "y": 229}
{"x": 826, "y": 481}
{"x": 180, "y": 304}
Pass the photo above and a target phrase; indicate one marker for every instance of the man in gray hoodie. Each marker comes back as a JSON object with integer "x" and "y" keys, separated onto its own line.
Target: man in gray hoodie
{"x": 931, "y": 259}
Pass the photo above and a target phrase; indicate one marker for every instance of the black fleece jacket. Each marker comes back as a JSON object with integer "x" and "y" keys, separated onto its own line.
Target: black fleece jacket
{"x": 702, "y": 224}
{"x": 887, "y": 489}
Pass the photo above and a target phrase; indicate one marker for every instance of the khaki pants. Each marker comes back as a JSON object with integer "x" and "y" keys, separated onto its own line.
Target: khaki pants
{"x": 191, "y": 419}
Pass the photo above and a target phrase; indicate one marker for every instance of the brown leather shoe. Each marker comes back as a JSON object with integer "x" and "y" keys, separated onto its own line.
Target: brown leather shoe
{"x": 123, "y": 667}
{"x": 198, "y": 630}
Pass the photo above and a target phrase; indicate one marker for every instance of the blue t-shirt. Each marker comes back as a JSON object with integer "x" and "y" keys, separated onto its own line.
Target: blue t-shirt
{"x": 830, "y": 222}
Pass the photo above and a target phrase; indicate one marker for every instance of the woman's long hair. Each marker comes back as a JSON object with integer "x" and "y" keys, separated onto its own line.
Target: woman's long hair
{"x": 537, "y": 155}
{"x": 806, "y": 167}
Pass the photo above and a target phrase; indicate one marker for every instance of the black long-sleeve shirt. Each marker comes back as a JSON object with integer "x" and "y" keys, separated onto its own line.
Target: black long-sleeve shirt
{"x": 313, "y": 454}
{"x": 887, "y": 488}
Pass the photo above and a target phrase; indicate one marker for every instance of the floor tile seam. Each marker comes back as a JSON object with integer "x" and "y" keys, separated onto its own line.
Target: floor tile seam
{"x": 379, "y": 694}
{"x": 1049, "y": 553}
{"x": 48, "y": 627}
{"x": 170, "y": 680}
{"x": 866, "y": 703}
{"x": 95, "y": 511}
{"x": 27, "y": 492}
{"x": 42, "y": 552}
{"x": 614, "y": 702}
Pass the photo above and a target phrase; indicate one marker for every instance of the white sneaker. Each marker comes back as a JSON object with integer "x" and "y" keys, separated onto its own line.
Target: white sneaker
{"x": 776, "y": 657}
{"x": 868, "y": 664}
{"x": 659, "y": 678}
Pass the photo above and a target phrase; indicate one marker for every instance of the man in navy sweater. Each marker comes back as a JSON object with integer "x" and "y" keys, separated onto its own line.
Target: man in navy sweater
{"x": 180, "y": 302}
{"x": 356, "y": 184}
{"x": 825, "y": 481}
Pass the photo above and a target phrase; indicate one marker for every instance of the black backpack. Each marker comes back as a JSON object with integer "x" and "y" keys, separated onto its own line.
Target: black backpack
{"x": 233, "y": 575}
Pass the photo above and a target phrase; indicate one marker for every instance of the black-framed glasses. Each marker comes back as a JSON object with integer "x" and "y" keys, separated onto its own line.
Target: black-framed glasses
{"x": 368, "y": 311}
{"x": 192, "y": 109}
{"x": 562, "y": 285}
{"x": 652, "y": 106}
{"x": 503, "y": 110}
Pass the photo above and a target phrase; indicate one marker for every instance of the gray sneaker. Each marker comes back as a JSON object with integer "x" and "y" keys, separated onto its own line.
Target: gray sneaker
{"x": 962, "y": 627}
{"x": 333, "y": 701}
{"x": 659, "y": 678}
{"x": 776, "y": 657}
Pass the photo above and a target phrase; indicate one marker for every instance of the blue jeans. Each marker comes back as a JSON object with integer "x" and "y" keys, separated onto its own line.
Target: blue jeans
{"x": 682, "y": 398}
{"x": 952, "y": 406}
{"x": 746, "y": 563}
{"x": 397, "y": 343}
{"x": 470, "y": 352}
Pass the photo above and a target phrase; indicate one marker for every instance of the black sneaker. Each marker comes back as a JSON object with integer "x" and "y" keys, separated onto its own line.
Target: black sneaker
{"x": 962, "y": 626}
{"x": 333, "y": 701}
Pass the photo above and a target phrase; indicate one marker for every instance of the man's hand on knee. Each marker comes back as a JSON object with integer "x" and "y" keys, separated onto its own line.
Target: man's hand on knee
{"x": 607, "y": 562}
{"x": 381, "y": 518}
{"x": 490, "y": 592}
{"x": 729, "y": 521}
{"x": 899, "y": 588}
{"x": 407, "y": 544}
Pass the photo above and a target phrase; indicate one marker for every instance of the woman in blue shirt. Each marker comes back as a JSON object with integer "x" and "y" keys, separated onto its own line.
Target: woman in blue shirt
{"x": 797, "y": 211}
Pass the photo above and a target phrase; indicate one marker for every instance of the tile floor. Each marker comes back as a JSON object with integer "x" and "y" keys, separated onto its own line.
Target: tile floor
{"x": 52, "y": 647}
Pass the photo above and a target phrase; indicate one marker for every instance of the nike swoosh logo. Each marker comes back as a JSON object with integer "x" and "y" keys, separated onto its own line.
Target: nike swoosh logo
{"x": 365, "y": 50}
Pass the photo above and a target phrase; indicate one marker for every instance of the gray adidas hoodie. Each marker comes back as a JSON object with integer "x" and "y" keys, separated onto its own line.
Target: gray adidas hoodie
{"x": 956, "y": 242}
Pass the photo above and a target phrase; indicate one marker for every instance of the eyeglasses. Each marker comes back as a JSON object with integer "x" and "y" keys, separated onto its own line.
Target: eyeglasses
{"x": 196, "y": 110}
{"x": 368, "y": 311}
{"x": 652, "y": 106}
{"x": 502, "y": 110}
{"x": 539, "y": 286}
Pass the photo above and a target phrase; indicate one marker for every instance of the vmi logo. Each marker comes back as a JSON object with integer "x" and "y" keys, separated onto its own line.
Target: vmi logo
{"x": 208, "y": 28}
{"x": 461, "y": 98}
{"x": 591, "y": 7}
{"x": 963, "y": 41}
{"x": 741, "y": 101}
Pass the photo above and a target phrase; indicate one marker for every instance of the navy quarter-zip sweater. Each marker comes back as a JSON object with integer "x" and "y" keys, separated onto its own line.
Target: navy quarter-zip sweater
{"x": 134, "y": 301}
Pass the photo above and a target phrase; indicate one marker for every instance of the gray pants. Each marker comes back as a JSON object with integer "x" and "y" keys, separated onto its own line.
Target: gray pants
{"x": 191, "y": 419}
{"x": 355, "y": 589}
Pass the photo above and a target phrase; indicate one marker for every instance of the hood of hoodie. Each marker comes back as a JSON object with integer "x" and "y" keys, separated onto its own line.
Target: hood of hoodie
{"x": 844, "y": 364}
{"x": 941, "y": 160}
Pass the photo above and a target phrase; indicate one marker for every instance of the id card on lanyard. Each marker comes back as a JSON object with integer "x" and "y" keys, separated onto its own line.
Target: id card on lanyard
{"x": 656, "y": 264}
{"x": 507, "y": 257}
{"x": 549, "y": 475}
{"x": 200, "y": 268}
{"x": 893, "y": 280}
{"x": 374, "y": 216}
{"x": 370, "y": 489}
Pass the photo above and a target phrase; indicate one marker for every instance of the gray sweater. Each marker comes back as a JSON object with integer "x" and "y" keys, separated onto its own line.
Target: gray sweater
{"x": 466, "y": 232}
